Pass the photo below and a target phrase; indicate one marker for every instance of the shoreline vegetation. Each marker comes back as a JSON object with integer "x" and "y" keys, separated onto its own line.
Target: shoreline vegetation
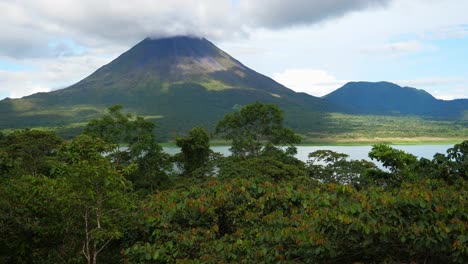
{"x": 356, "y": 142}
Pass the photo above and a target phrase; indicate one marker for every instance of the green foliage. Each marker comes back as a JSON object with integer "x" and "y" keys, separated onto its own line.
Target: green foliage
{"x": 253, "y": 220}
{"x": 253, "y": 127}
{"x": 395, "y": 160}
{"x": 140, "y": 149}
{"x": 264, "y": 210}
{"x": 152, "y": 169}
{"x": 452, "y": 167}
{"x": 76, "y": 211}
{"x": 99, "y": 193}
{"x": 195, "y": 150}
{"x": 400, "y": 164}
{"x": 122, "y": 128}
{"x": 273, "y": 169}
{"x": 457, "y": 161}
{"x": 331, "y": 167}
{"x": 273, "y": 164}
{"x": 6, "y": 163}
{"x": 35, "y": 224}
{"x": 326, "y": 156}
{"x": 223, "y": 168}
{"x": 28, "y": 152}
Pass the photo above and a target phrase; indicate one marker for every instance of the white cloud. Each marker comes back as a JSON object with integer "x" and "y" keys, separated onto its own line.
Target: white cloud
{"x": 451, "y": 31}
{"x": 446, "y": 88}
{"x": 48, "y": 76}
{"x": 66, "y": 40}
{"x": 433, "y": 81}
{"x": 399, "y": 48}
{"x": 28, "y": 26}
{"x": 311, "y": 81}
{"x": 26, "y": 89}
{"x": 407, "y": 46}
{"x": 280, "y": 14}
{"x": 265, "y": 33}
{"x": 449, "y": 96}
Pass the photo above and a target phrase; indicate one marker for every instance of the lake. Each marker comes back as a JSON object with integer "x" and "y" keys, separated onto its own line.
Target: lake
{"x": 354, "y": 152}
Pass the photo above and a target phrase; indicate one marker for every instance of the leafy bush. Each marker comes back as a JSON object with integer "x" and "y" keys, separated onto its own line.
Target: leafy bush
{"x": 252, "y": 220}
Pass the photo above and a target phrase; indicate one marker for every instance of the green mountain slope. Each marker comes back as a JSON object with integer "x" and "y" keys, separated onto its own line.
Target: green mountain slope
{"x": 384, "y": 98}
{"x": 180, "y": 81}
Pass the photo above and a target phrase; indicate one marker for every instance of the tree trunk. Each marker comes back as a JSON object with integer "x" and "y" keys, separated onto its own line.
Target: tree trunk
{"x": 95, "y": 252}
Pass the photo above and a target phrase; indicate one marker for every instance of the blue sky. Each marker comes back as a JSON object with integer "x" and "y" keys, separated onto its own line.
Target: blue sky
{"x": 309, "y": 45}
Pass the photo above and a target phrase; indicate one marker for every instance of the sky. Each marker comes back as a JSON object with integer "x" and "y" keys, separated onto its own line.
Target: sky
{"x": 311, "y": 46}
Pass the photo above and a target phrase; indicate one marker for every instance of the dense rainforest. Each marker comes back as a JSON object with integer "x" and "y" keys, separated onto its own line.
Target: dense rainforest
{"x": 112, "y": 195}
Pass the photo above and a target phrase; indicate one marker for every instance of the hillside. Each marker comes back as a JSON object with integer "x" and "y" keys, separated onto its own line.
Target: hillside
{"x": 180, "y": 82}
{"x": 384, "y": 98}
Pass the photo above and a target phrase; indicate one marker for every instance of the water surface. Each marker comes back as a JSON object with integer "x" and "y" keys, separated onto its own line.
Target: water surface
{"x": 354, "y": 152}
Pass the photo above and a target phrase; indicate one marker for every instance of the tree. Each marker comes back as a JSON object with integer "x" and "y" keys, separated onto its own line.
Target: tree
{"x": 6, "y": 163}
{"x": 83, "y": 207}
{"x": 451, "y": 167}
{"x": 333, "y": 167}
{"x": 195, "y": 149}
{"x": 458, "y": 160}
{"x": 34, "y": 221}
{"x": 100, "y": 194}
{"x": 129, "y": 135}
{"x": 111, "y": 127}
{"x": 136, "y": 134}
{"x": 28, "y": 152}
{"x": 400, "y": 164}
{"x": 253, "y": 128}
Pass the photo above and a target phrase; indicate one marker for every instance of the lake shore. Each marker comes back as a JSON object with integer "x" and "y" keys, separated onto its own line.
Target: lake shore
{"x": 357, "y": 141}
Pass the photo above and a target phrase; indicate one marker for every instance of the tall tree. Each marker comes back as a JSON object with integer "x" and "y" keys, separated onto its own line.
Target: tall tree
{"x": 255, "y": 127}
{"x": 195, "y": 149}
{"x": 129, "y": 134}
{"x": 100, "y": 195}
{"x": 133, "y": 142}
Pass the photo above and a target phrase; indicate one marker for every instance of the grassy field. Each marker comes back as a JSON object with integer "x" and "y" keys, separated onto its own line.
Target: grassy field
{"x": 368, "y": 129}
{"x": 342, "y": 129}
{"x": 390, "y": 141}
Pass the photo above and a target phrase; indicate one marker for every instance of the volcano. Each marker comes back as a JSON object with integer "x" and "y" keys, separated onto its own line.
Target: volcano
{"x": 178, "y": 82}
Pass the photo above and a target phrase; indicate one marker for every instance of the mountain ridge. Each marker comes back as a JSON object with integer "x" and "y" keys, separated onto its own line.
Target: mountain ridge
{"x": 389, "y": 98}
